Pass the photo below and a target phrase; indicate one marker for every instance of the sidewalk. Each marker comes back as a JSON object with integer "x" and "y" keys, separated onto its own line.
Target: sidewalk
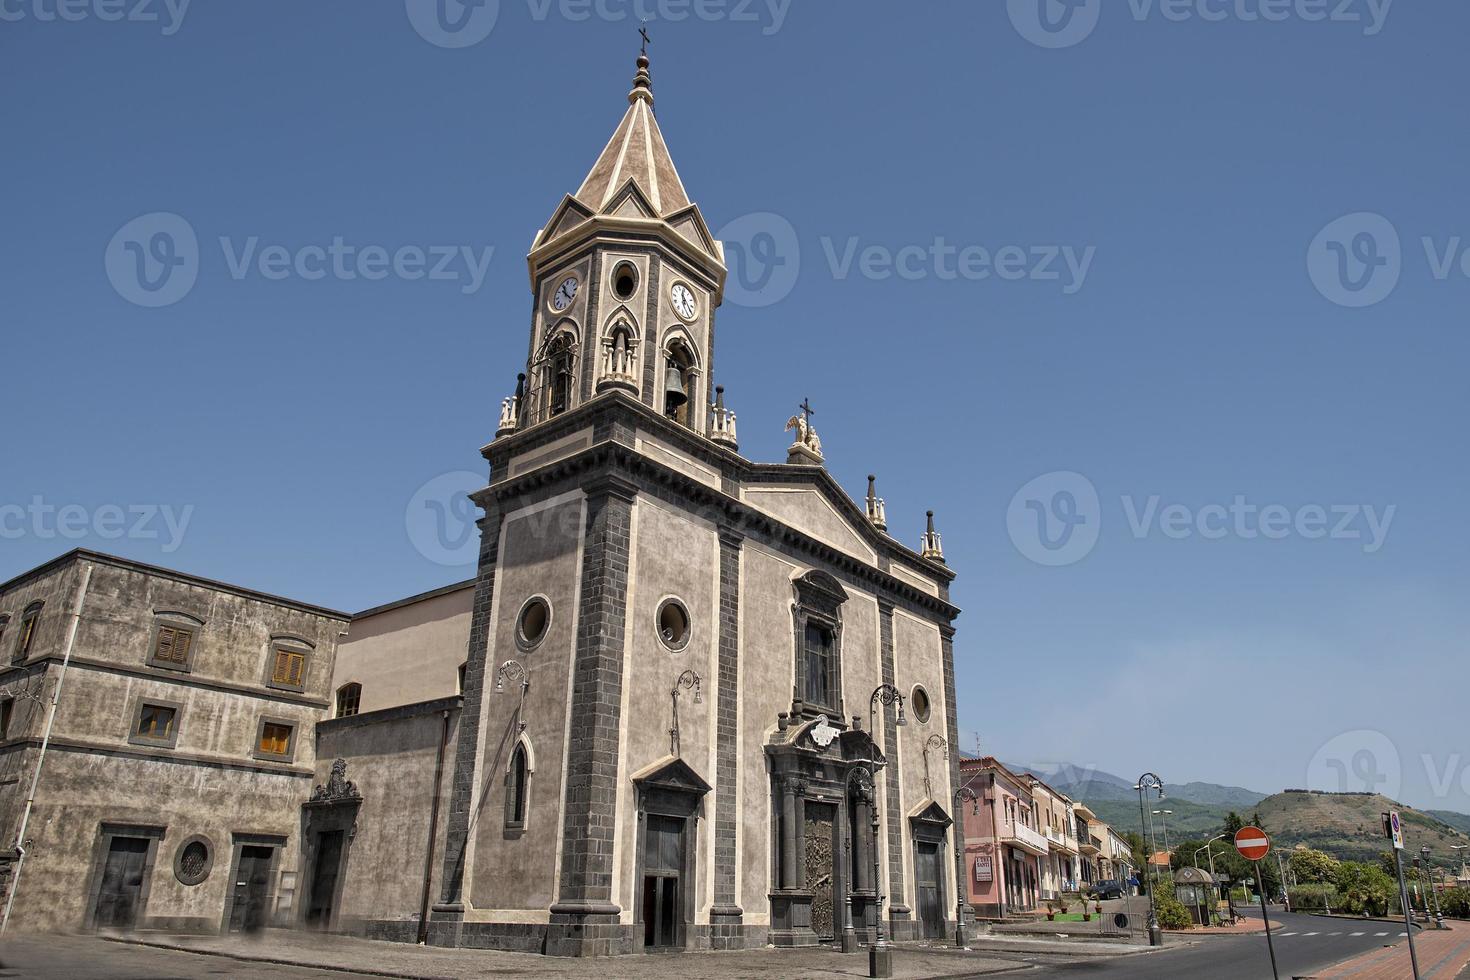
{"x": 1443, "y": 954}
{"x": 368, "y": 958}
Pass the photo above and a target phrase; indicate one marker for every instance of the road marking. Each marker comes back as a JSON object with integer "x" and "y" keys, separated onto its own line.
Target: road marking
{"x": 1402, "y": 935}
{"x": 1380, "y": 934}
{"x": 1314, "y": 934}
{"x": 1285, "y": 934}
{"x": 1360, "y": 934}
{"x": 1335, "y": 934}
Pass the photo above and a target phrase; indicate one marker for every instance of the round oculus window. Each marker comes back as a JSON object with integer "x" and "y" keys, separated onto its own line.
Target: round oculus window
{"x": 625, "y": 281}
{"x": 919, "y": 702}
{"x": 673, "y": 624}
{"x": 533, "y": 622}
{"x": 193, "y": 862}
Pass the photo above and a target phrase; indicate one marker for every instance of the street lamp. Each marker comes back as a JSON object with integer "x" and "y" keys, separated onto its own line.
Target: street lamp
{"x": 864, "y": 788}
{"x": 1429, "y": 877}
{"x": 515, "y": 670}
{"x": 880, "y": 955}
{"x": 1208, "y": 848}
{"x": 689, "y": 679}
{"x": 1164, "y": 816}
{"x": 1281, "y": 870}
{"x": 961, "y": 882}
{"x": 1147, "y": 782}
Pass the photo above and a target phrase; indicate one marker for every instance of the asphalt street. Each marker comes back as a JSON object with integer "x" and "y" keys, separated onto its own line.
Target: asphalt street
{"x": 1304, "y": 943}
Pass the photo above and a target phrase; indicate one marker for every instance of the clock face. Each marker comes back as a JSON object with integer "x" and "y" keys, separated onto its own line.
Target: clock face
{"x": 683, "y": 298}
{"x": 564, "y": 294}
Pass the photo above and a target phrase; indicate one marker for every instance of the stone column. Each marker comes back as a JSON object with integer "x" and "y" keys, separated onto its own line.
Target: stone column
{"x": 446, "y": 918}
{"x": 584, "y": 920}
{"x": 726, "y": 915}
{"x": 898, "y": 912}
{"x": 952, "y": 732}
{"x": 788, "y": 833}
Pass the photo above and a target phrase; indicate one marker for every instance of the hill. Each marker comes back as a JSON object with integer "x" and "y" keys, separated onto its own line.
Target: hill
{"x": 1347, "y": 825}
{"x": 1188, "y": 819}
{"x": 1213, "y": 794}
{"x": 1460, "y": 821}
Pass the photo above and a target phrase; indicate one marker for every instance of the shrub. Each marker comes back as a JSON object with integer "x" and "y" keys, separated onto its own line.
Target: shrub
{"x": 1316, "y": 898}
{"x": 1172, "y": 913}
{"x": 1456, "y": 903}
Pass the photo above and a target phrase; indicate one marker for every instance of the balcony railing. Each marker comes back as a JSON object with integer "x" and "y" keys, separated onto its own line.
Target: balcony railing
{"x": 1031, "y": 840}
{"x": 1060, "y": 841}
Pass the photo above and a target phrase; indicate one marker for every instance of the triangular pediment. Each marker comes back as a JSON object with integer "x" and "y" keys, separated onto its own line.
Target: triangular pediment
{"x": 672, "y": 774}
{"x": 931, "y": 814}
{"x": 631, "y": 202}
{"x": 689, "y": 223}
{"x": 568, "y": 215}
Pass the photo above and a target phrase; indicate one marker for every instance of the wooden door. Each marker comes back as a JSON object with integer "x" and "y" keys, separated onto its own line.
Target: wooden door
{"x": 122, "y": 882}
{"x": 929, "y": 889}
{"x": 820, "y": 829}
{"x": 252, "y": 889}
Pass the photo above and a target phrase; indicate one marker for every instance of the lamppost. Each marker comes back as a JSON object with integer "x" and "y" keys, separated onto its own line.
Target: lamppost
{"x": 1209, "y": 849}
{"x": 1281, "y": 870}
{"x": 864, "y": 788}
{"x": 1147, "y": 782}
{"x": 1164, "y": 816}
{"x": 689, "y": 679}
{"x": 880, "y": 955}
{"x": 1429, "y": 876}
{"x": 961, "y": 882}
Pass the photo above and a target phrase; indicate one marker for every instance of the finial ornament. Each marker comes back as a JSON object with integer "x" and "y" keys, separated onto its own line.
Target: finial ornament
{"x": 877, "y": 512}
{"x": 931, "y": 547}
{"x": 807, "y": 448}
{"x": 643, "y": 81}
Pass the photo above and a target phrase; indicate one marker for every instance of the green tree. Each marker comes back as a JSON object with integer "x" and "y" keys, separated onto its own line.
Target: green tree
{"x": 1311, "y": 866}
{"x": 1233, "y": 823}
{"x": 1365, "y": 888}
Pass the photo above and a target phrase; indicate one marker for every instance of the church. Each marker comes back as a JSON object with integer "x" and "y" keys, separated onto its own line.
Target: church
{"x": 688, "y": 701}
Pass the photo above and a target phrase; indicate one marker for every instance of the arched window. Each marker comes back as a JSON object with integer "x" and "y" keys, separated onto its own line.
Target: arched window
{"x": 560, "y": 373}
{"x": 620, "y": 355}
{"x": 680, "y": 376}
{"x": 517, "y": 788}
{"x": 349, "y": 700}
{"x": 817, "y": 616}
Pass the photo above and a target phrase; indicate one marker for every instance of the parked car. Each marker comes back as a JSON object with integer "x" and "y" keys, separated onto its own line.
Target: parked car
{"x": 1109, "y": 888}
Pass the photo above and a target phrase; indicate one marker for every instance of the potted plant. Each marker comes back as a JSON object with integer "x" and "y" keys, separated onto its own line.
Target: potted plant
{"x": 1051, "y": 910}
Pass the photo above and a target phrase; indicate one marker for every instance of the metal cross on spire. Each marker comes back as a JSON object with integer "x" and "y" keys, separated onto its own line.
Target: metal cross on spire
{"x": 806, "y": 409}
{"x": 643, "y": 30}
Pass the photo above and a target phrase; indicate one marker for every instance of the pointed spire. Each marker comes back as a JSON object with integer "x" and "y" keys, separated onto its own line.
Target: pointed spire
{"x": 637, "y": 152}
{"x": 931, "y": 548}
{"x": 877, "y": 514}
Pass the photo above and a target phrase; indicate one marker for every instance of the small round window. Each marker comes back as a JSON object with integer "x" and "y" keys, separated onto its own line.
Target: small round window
{"x": 533, "y": 622}
{"x": 673, "y": 624}
{"x": 193, "y": 862}
{"x": 919, "y": 702}
{"x": 625, "y": 281}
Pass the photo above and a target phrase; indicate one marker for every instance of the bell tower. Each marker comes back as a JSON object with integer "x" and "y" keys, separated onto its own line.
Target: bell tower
{"x": 626, "y": 278}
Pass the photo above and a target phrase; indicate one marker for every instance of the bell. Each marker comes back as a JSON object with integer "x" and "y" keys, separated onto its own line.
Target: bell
{"x": 674, "y": 396}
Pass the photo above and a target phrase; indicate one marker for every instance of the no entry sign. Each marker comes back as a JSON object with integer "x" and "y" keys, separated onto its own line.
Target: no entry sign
{"x": 1252, "y": 843}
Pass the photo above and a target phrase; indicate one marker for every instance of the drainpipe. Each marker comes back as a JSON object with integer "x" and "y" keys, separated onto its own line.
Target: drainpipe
{"x": 73, "y": 618}
{"x": 996, "y": 884}
{"x": 433, "y": 832}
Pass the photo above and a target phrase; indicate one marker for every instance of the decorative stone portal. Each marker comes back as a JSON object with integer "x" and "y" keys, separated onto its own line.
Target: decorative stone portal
{"x": 328, "y": 824}
{"x": 670, "y": 798}
{"x": 823, "y": 830}
{"x": 929, "y": 827}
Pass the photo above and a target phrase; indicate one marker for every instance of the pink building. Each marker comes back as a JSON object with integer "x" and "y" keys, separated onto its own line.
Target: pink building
{"x": 1003, "y": 841}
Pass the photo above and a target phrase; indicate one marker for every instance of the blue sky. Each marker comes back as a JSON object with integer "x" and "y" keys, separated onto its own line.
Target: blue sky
{"x": 1221, "y": 331}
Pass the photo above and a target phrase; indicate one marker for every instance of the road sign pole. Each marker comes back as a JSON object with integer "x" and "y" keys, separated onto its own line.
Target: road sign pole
{"x": 1398, "y": 860}
{"x": 1266, "y": 918}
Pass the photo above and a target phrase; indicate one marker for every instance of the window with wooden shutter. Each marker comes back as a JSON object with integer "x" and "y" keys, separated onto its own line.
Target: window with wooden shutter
{"x": 289, "y": 669}
{"x": 156, "y": 722}
{"x": 172, "y": 646}
{"x": 275, "y": 739}
{"x": 27, "y": 632}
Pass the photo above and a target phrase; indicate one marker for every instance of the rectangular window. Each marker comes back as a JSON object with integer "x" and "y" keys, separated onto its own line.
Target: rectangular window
{"x": 156, "y": 722}
{"x": 275, "y": 739}
{"x": 27, "y": 633}
{"x": 821, "y": 664}
{"x": 7, "y": 708}
{"x": 289, "y": 669}
{"x": 172, "y": 645}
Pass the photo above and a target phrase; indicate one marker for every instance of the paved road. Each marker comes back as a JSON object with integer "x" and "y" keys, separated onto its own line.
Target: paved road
{"x": 86, "y": 958}
{"x": 1304, "y": 943}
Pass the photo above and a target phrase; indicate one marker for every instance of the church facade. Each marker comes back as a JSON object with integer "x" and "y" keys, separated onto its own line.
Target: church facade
{"x": 683, "y": 667}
